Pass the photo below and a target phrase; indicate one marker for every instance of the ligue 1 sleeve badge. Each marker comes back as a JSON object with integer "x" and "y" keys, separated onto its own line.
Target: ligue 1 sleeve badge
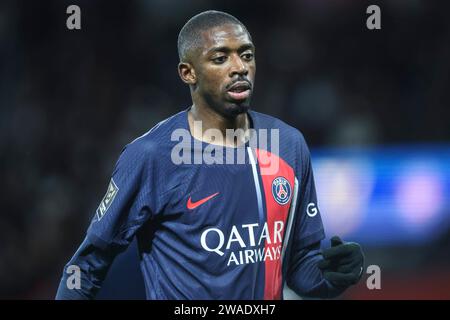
{"x": 281, "y": 190}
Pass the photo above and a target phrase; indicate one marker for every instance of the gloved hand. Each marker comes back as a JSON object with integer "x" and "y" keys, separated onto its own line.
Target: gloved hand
{"x": 343, "y": 263}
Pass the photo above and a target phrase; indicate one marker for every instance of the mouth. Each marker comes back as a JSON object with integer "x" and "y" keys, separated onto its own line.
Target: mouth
{"x": 239, "y": 90}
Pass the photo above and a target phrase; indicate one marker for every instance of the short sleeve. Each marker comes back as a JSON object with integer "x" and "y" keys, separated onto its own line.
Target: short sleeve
{"x": 128, "y": 201}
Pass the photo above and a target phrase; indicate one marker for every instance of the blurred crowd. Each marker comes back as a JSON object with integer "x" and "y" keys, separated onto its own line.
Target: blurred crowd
{"x": 71, "y": 99}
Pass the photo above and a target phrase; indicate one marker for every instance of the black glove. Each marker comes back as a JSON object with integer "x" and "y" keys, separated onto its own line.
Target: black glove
{"x": 343, "y": 263}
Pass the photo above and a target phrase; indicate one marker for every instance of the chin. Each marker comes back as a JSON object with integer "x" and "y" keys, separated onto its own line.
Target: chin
{"x": 233, "y": 109}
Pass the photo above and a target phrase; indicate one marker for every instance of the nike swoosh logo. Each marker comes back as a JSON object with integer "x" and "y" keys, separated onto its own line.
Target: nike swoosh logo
{"x": 192, "y": 205}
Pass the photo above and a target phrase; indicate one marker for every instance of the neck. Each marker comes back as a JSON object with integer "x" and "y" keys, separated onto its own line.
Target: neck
{"x": 210, "y": 119}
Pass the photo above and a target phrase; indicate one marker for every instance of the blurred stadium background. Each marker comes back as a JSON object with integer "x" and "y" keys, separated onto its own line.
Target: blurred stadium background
{"x": 373, "y": 105}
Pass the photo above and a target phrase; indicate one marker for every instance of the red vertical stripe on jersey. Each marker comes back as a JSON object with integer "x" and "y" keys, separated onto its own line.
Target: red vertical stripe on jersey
{"x": 275, "y": 212}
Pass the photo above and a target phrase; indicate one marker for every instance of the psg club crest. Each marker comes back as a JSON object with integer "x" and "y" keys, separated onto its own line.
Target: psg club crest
{"x": 281, "y": 190}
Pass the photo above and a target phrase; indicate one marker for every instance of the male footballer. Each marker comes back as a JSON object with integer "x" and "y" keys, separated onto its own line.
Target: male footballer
{"x": 221, "y": 229}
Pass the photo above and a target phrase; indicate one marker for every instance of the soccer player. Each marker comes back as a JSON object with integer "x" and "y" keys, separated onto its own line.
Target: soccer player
{"x": 216, "y": 230}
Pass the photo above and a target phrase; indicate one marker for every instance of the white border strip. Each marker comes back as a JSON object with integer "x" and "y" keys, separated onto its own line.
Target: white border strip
{"x": 257, "y": 186}
{"x": 290, "y": 219}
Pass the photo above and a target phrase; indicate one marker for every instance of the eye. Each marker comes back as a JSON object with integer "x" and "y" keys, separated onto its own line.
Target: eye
{"x": 248, "y": 56}
{"x": 219, "y": 60}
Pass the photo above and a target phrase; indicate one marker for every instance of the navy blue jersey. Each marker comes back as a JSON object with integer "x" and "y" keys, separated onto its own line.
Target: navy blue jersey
{"x": 214, "y": 231}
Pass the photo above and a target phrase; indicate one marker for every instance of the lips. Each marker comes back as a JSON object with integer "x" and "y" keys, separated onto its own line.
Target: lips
{"x": 239, "y": 90}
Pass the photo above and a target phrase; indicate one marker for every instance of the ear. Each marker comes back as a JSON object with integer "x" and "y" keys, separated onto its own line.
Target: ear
{"x": 187, "y": 73}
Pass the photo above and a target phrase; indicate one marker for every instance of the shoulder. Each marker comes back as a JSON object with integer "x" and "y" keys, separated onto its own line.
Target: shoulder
{"x": 152, "y": 144}
{"x": 287, "y": 132}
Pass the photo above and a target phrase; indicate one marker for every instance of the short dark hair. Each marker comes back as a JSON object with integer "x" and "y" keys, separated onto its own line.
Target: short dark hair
{"x": 189, "y": 35}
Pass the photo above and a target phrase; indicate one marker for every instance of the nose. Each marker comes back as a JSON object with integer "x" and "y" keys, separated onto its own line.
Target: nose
{"x": 238, "y": 67}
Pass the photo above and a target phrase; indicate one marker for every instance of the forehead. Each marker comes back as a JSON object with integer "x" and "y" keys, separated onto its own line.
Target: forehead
{"x": 228, "y": 35}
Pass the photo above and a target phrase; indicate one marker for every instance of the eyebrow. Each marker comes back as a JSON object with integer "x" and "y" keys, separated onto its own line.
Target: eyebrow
{"x": 226, "y": 49}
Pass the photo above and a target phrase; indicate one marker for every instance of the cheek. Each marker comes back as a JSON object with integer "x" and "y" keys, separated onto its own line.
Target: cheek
{"x": 252, "y": 71}
{"x": 213, "y": 83}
